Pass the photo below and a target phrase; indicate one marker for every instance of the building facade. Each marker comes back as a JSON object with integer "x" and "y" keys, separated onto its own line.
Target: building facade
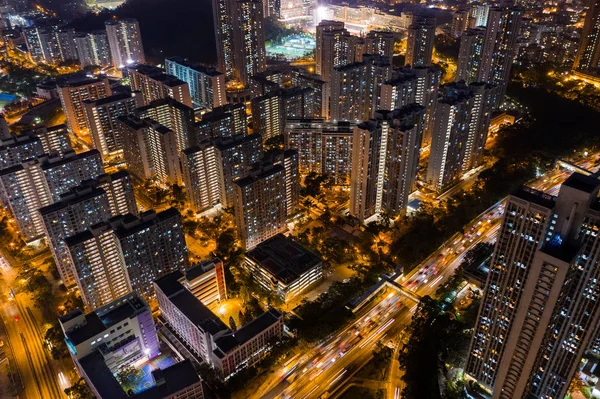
{"x": 150, "y": 149}
{"x": 72, "y": 96}
{"x": 102, "y": 115}
{"x": 538, "y": 293}
{"x": 419, "y": 45}
{"x": 155, "y": 84}
{"x": 207, "y": 85}
{"x": 283, "y": 267}
{"x": 323, "y": 147}
{"x": 461, "y": 122}
{"x": 385, "y": 158}
{"x": 125, "y": 42}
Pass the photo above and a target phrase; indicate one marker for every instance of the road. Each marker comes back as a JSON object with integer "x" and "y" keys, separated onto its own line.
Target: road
{"x": 329, "y": 366}
{"x": 41, "y": 376}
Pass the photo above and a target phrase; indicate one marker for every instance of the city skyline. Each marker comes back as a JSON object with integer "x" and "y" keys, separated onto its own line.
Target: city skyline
{"x": 384, "y": 200}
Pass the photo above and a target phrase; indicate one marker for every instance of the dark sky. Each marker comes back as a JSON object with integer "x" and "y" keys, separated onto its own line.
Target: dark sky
{"x": 169, "y": 27}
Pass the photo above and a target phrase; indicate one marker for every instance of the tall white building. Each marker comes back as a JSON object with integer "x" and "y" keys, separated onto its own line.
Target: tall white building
{"x": 461, "y": 121}
{"x": 356, "y": 88}
{"x": 92, "y": 202}
{"x": 92, "y": 48}
{"x": 207, "y": 85}
{"x": 385, "y": 157}
{"x": 324, "y": 148}
{"x": 72, "y": 95}
{"x": 470, "y": 55}
{"x": 540, "y": 309}
{"x": 125, "y": 42}
{"x": 419, "y": 45}
{"x": 35, "y": 183}
{"x": 99, "y": 265}
{"x": 265, "y": 198}
{"x": 102, "y": 115}
{"x": 250, "y": 55}
{"x": 150, "y": 149}
{"x": 500, "y": 46}
{"x": 203, "y": 176}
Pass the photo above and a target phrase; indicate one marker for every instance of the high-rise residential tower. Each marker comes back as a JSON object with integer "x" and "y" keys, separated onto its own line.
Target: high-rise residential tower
{"x": 539, "y": 312}
{"x": 265, "y": 198}
{"x": 207, "y": 85}
{"x": 150, "y": 149}
{"x": 72, "y": 95}
{"x": 224, "y": 20}
{"x": 125, "y": 42}
{"x": 356, "y": 88}
{"x": 320, "y": 50}
{"x": 419, "y": 45}
{"x": 470, "y": 55}
{"x": 99, "y": 265}
{"x": 175, "y": 116}
{"x": 155, "y": 84}
{"x": 500, "y": 46}
{"x": 385, "y": 157}
{"x": 380, "y": 43}
{"x": 102, "y": 118}
{"x": 323, "y": 147}
{"x": 588, "y": 54}
{"x": 249, "y": 38}
{"x": 92, "y": 48}
{"x": 461, "y": 120}
{"x": 92, "y": 202}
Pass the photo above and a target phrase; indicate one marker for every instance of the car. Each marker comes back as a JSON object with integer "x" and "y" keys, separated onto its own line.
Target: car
{"x": 17, "y": 318}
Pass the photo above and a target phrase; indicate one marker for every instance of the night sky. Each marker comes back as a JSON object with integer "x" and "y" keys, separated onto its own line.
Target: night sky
{"x": 169, "y": 27}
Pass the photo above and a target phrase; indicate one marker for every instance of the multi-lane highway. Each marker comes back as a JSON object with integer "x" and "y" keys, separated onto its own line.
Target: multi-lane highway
{"x": 39, "y": 376}
{"x": 326, "y": 368}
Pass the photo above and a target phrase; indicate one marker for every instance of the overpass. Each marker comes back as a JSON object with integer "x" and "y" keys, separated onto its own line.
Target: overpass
{"x": 562, "y": 163}
{"x": 386, "y": 281}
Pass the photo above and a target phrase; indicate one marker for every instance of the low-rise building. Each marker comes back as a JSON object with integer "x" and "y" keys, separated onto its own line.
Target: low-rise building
{"x": 206, "y": 337}
{"x": 283, "y": 266}
{"x": 206, "y": 280}
{"x": 119, "y": 334}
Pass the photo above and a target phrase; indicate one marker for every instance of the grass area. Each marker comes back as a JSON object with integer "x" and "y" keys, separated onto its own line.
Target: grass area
{"x": 377, "y": 369}
{"x": 362, "y": 393}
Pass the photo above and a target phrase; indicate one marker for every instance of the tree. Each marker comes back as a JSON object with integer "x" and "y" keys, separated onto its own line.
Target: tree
{"x": 54, "y": 336}
{"x": 232, "y": 324}
{"x": 79, "y": 390}
{"x": 127, "y": 375}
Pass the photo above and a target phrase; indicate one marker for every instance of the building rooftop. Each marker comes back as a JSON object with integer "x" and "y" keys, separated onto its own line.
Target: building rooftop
{"x": 582, "y": 182}
{"x": 49, "y": 162}
{"x": 247, "y": 332}
{"x": 200, "y": 268}
{"x": 109, "y": 99}
{"x": 259, "y": 174}
{"x": 102, "y": 318}
{"x": 71, "y": 197}
{"x": 125, "y": 225}
{"x": 93, "y": 326}
{"x": 284, "y": 259}
{"x": 197, "y": 312}
{"x": 121, "y": 311}
{"x": 162, "y": 102}
{"x": 226, "y": 143}
{"x": 210, "y": 71}
{"x": 170, "y": 380}
{"x": 91, "y": 232}
{"x": 82, "y": 82}
{"x": 535, "y": 196}
{"x": 166, "y": 382}
{"x": 169, "y": 284}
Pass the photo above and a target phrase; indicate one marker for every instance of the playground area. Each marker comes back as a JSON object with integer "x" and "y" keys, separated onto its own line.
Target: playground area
{"x": 293, "y": 47}
{"x": 142, "y": 379}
